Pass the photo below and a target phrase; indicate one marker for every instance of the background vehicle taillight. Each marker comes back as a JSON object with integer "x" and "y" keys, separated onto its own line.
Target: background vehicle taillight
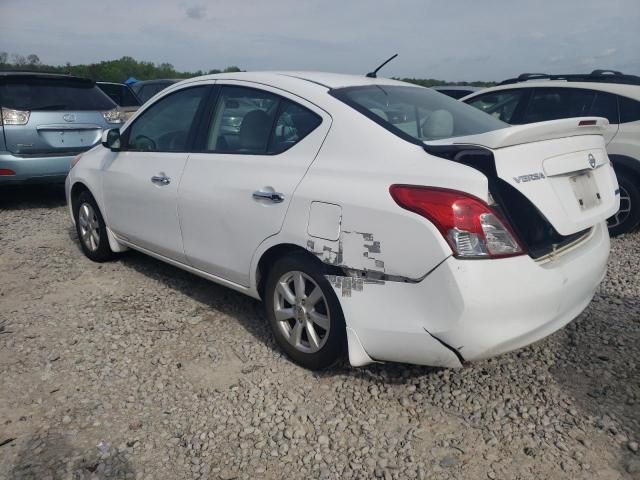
{"x": 114, "y": 116}
{"x": 469, "y": 225}
{"x": 13, "y": 117}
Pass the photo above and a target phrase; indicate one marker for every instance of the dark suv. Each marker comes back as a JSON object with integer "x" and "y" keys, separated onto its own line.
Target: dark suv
{"x": 47, "y": 119}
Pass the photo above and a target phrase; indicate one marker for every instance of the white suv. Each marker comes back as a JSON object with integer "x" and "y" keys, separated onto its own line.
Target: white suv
{"x": 537, "y": 97}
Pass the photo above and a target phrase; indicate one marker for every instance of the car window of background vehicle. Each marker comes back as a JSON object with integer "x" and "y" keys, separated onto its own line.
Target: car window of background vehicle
{"x": 556, "y": 103}
{"x": 165, "y": 126}
{"x": 629, "y": 110}
{"x": 501, "y": 105}
{"x": 49, "y": 94}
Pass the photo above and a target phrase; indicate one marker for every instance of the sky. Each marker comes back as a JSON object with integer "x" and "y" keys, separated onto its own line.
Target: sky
{"x": 452, "y": 40}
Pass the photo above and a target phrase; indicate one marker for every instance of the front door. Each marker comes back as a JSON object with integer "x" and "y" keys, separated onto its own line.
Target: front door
{"x": 140, "y": 182}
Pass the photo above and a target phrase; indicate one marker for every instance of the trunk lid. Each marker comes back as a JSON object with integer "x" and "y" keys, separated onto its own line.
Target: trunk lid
{"x": 560, "y": 166}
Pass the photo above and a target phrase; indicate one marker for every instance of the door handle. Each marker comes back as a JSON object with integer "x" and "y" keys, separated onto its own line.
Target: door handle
{"x": 274, "y": 197}
{"x": 160, "y": 179}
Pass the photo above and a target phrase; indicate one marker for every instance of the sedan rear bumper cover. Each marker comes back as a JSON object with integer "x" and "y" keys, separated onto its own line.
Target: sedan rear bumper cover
{"x": 474, "y": 309}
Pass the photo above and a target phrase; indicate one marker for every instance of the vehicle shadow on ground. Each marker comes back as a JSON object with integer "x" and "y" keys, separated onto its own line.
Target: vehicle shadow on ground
{"x": 250, "y": 315}
{"x": 49, "y": 455}
{"x": 22, "y": 197}
{"x": 211, "y": 296}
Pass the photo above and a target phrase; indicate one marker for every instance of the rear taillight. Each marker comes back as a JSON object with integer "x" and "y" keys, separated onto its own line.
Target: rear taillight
{"x": 5, "y": 172}
{"x": 469, "y": 225}
{"x": 14, "y": 117}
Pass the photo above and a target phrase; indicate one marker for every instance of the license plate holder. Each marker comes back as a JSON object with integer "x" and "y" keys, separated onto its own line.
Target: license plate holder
{"x": 585, "y": 190}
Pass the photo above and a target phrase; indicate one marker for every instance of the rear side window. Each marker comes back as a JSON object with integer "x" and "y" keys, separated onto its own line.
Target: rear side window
{"x": 255, "y": 122}
{"x": 556, "y": 103}
{"x": 165, "y": 125}
{"x": 35, "y": 94}
{"x": 501, "y": 104}
{"x": 629, "y": 110}
{"x": 293, "y": 123}
{"x": 417, "y": 113}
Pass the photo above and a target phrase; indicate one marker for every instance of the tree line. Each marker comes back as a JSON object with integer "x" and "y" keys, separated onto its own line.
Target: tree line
{"x": 125, "y": 67}
{"x": 108, "y": 70}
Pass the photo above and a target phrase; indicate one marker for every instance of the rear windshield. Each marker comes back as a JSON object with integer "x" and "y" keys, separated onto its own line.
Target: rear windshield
{"x": 52, "y": 94}
{"x": 417, "y": 113}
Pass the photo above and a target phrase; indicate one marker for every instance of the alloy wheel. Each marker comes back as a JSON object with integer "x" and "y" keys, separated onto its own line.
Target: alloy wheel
{"x": 301, "y": 312}
{"x": 89, "y": 227}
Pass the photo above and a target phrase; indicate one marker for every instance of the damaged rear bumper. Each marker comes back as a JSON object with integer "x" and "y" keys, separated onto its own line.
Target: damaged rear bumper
{"x": 467, "y": 310}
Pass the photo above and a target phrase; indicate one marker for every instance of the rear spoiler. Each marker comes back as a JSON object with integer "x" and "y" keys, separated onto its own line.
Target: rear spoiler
{"x": 532, "y": 132}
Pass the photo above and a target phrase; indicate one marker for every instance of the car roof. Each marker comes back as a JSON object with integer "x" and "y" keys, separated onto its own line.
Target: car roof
{"x": 321, "y": 79}
{"x": 631, "y": 91}
{"x": 160, "y": 80}
{"x": 456, "y": 87}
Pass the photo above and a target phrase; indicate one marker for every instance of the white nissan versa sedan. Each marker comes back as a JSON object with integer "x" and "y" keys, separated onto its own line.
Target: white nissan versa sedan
{"x": 366, "y": 213}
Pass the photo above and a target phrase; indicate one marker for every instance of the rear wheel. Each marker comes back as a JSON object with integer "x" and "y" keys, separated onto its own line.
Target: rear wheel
{"x": 304, "y": 312}
{"x": 91, "y": 228}
{"x": 628, "y": 217}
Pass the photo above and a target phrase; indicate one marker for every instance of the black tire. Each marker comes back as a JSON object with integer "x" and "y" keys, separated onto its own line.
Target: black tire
{"x": 102, "y": 251}
{"x": 624, "y": 222}
{"x": 335, "y": 342}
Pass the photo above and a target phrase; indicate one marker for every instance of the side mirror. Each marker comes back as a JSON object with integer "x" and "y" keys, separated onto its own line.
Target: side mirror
{"x": 111, "y": 139}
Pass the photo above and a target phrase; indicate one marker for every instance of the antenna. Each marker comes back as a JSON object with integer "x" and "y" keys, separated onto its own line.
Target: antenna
{"x": 375, "y": 72}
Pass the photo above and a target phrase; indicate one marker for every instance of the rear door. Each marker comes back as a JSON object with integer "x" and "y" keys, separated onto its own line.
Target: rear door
{"x": 255, "y": 149}
{"x": 52, "y": 115}
{"x": 140, "y": 183}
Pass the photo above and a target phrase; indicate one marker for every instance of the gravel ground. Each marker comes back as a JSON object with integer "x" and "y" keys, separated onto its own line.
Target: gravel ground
{"x": 134, "y": 369}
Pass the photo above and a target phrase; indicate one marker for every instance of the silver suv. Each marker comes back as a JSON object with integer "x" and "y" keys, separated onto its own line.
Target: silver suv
{"x": 47, "y": 119}
{"x": 538, "y": 97}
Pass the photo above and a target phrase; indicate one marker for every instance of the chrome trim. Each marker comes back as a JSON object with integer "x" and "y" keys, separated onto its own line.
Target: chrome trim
{"x": 558, "y": 252}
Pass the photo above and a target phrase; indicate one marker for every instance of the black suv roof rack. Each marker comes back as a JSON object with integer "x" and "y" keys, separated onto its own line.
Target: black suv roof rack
{"x": 602, "y": 76}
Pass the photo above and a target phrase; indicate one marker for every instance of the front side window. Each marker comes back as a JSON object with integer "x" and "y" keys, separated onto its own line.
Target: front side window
{"x": 500, "y": 104}
{"x": 417, "y": 113}
{"x": 165, "y": 125}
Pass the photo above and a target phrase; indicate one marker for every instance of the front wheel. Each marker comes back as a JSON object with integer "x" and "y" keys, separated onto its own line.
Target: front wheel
{"x": 304, "y": 312}
{"x": 91, "y": 229}
{"x": 628, "y": 217}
